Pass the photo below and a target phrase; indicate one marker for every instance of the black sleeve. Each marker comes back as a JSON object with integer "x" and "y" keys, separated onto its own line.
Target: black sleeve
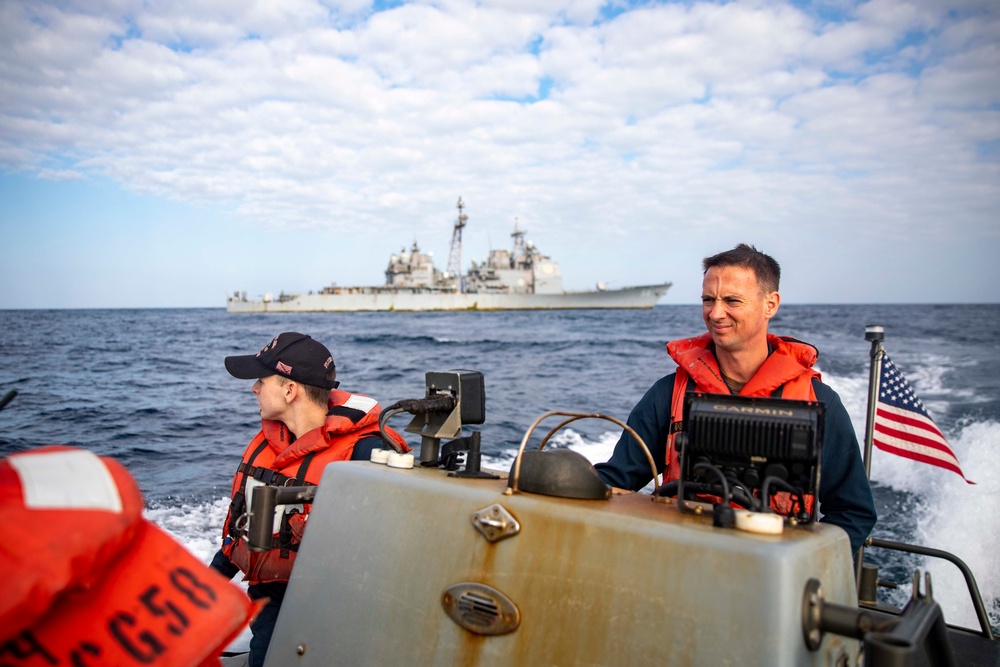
{"x": 363, "y": 448}
{"x": 845, "y": 496}
{"x": 628, "y": 467}
{"x": 224, "y": 566}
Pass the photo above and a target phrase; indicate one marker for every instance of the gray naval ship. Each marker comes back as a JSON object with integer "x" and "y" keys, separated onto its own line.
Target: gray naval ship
{"x": 519, "y": 279}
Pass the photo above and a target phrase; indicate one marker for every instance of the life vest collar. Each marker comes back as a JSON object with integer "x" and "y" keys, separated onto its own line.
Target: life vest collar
{"x": 348, "y": 413}
{"x": 788, "y": 359}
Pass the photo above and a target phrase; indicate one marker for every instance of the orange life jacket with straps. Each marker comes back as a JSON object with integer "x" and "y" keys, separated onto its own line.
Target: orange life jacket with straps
{"x": 274, "y": 458}
{"x": 91, "y": 582}
{"x": 786, "y": 373}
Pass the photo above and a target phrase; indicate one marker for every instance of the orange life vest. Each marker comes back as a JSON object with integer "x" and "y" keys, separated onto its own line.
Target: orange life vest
{"x": 273, "y": 457}
{"x": 90, "y": 582}
{"x": 787, "y": 372}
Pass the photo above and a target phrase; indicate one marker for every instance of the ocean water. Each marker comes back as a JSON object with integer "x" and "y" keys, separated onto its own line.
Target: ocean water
{"x": 148, "y": 387}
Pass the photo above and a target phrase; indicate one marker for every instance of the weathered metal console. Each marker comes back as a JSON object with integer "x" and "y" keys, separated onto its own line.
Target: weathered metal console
{"x": 414, "y": 566}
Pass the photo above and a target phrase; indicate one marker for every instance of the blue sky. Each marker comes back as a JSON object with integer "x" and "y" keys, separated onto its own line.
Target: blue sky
{"x": 166, "y": 154}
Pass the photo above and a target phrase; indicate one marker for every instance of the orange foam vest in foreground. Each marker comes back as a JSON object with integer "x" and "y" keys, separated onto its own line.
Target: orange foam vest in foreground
{"x": 89, "y": 582}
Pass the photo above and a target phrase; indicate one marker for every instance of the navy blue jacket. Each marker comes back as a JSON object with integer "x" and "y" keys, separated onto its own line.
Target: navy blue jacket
{"x": 845, "y": 497}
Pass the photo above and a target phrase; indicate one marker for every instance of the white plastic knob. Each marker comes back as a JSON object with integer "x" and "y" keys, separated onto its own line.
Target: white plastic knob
{"x": 759, "y": 522}
{"x": 397, "y": 460}
{"x": 380, "y": 455}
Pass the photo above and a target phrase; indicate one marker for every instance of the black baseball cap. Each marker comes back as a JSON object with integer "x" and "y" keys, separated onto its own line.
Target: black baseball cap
{"x": 292, "y": 355}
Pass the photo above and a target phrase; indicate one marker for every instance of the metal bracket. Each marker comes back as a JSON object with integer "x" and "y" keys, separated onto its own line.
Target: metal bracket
{"x": 495, "y": 523}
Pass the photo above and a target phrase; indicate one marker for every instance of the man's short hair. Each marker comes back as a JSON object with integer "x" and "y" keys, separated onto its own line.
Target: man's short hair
{"x": 318, "y": 395}
{"x": 766, "y": 269}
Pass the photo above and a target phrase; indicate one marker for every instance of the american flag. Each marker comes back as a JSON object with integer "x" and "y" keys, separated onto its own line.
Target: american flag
{"x": 902, "y": 426}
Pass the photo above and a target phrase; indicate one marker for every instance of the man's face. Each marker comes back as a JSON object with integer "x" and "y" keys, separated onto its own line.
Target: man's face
{"x": 735, "y": 309}
{"x": 270, "y": 393}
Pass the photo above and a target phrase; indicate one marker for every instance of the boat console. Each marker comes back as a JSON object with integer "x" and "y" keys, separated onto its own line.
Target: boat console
{"x": 428, "y": 563}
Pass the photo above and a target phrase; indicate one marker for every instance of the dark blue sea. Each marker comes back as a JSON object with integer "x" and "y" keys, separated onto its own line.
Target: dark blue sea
{"x": 148, "y": 387}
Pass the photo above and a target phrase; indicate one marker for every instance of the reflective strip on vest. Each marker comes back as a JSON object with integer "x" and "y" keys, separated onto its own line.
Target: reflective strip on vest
{"x": 68, "y": 479}
{"x": 359, "y": 402}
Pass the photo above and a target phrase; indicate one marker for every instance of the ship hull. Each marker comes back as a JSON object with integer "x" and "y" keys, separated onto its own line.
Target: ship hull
{"x": 382, "y": 299}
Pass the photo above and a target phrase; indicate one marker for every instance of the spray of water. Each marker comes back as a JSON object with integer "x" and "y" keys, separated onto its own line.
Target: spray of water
{"x": 965, "y": 520}
{"x": 951, "y": 515}
{"x": 198, "y": 527}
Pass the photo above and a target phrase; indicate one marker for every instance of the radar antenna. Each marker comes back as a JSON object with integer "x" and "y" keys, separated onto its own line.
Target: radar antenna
{"x": 455, "y": 257}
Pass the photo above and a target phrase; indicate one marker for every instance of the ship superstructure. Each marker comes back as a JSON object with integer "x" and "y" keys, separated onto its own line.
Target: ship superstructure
{"x": 522, "y": 278}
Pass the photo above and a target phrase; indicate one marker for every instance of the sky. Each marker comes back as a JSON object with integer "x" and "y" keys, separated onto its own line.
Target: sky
{"x": 167, "y": 153}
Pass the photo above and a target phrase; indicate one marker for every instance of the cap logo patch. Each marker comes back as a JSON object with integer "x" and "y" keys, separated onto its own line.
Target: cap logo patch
{"x": 282, "y": 367}
{"x": 326, "y": 364}
{"x": 270, "y": 345}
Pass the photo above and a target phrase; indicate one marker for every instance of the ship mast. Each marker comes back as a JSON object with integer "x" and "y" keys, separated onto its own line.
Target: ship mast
{"x": 520, "y": 250}
{"x": 455, "y": 257}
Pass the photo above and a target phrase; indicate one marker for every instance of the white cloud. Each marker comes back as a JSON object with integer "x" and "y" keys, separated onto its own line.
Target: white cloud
{"x": 716, "y": 119}
{"x": 59, "y": 175}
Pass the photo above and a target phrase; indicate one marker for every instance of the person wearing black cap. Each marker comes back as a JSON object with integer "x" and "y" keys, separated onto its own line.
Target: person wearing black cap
{"x": 306, "y": 423}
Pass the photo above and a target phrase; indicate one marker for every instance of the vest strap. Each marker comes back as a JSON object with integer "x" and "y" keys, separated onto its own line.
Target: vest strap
{"x": 285, "y": 544}
{"x": 238, "y": 505}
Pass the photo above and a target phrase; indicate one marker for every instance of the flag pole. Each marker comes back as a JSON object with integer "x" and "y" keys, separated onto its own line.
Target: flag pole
{"x": 875, "y": 334}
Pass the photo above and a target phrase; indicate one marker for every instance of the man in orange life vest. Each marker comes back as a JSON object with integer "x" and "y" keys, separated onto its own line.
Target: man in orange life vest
{"x": 738, "y": 356}
{"x": 306, "y": 423}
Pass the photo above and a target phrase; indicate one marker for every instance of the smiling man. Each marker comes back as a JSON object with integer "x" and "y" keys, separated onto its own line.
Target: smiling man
{"x": 306, "y": 424}
{"x": 738, "y": 356}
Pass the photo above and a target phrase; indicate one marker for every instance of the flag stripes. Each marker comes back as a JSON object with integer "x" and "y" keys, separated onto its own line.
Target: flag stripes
{"x": 903, "y": 427}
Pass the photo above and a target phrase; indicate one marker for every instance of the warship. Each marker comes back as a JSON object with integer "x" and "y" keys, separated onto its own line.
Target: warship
{"x": 519, "y": 279}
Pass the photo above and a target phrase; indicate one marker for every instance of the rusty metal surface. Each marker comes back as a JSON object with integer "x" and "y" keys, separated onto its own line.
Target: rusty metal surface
{"x": 617, "y": 582}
